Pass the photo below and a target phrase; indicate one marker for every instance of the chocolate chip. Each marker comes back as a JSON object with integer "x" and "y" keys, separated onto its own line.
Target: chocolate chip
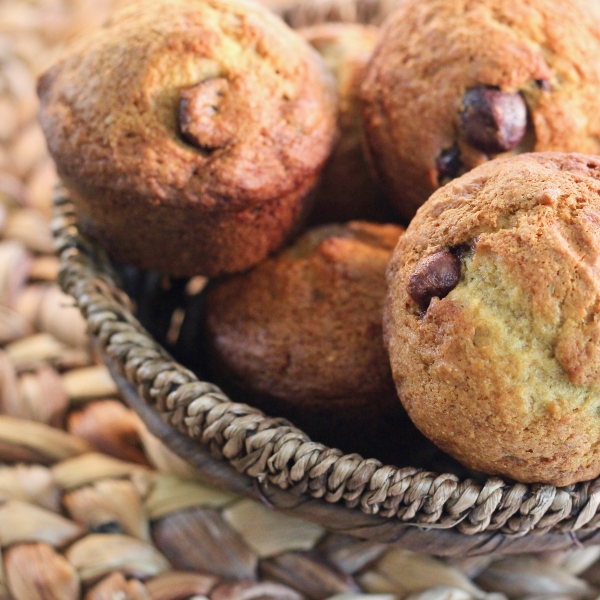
{"x": 543, "y": 84}
{"x": 448, "y": 164}
{"x": 202, "y": 115}
{"x": 435, "y": 276}
{"x": 493, "y": 121}
{"x": 466, "y": 250}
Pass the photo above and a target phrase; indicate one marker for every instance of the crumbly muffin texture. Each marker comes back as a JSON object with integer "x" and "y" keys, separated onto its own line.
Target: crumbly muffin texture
{"x": 190, "y": 132}
{"x": 498, "y": 362}
{"x": 454, "y": 83}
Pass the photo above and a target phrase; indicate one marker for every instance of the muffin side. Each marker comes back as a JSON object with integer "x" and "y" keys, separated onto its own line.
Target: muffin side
{"x": 347, "y": 190}
{"x": 300, "y": 335}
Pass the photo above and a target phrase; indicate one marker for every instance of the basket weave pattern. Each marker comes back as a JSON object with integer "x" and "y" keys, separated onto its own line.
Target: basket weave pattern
{"x": 273, "y": 452}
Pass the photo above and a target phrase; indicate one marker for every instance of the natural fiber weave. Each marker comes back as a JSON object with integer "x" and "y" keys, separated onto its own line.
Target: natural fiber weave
{"x": 274, "y": 453}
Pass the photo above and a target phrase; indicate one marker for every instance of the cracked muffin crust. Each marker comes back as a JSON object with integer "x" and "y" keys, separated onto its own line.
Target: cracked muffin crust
{"x": 347, "y": 190}
{"x": 454, "y": 83}
{"x": 492, "y": 318}
{"x": 190, "y": 132}
{"x": 300, "y": 334}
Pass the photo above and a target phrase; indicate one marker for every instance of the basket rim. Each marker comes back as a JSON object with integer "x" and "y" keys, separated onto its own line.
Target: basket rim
{"x": 279, "y": 457}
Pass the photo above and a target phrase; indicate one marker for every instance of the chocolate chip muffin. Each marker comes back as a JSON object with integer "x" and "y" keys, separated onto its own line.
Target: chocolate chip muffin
{"x": 347, "y": 191}
{"x": 492, "y": 319}
{"x": 190, "y": 132}
{"x": 452, "y": 84}
{"x": 300, "y": 335}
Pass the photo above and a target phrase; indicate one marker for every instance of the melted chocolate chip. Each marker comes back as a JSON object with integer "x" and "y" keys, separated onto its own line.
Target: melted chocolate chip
{"x": 493, "y": 121}
{"x": 543, "y": 84}
{"x": 435, "y": 276}
{"x": 202, "y": 118}
{"x": 448, "y": 164}
{"x": 466, "y": 250}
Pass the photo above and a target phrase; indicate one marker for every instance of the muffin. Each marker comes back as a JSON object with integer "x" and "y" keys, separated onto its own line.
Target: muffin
{"x": 492, "y": 318}
{"x": 300, "y": 335}
{"x": 453, "y": 84}
{"x": 347, "y": 191}
{"x": 190, "y": 133}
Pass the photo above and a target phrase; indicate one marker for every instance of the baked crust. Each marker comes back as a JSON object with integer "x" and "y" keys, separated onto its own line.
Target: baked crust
{"x": 257, "y": 125}
{"x": 432, "y": 51}
{"x": 503, "y": 373}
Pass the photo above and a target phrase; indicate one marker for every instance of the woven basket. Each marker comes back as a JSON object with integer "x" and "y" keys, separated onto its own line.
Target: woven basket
{"x": 238, "y": 448}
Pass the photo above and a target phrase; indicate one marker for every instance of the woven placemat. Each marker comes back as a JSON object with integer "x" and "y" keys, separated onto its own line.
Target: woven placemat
{"x": 92, "y": 505}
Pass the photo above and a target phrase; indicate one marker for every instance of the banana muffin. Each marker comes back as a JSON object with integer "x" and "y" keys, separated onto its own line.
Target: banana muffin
{"x": 347, "y": 190}
{"x": 300, "y": 335}
{"x": 452, "y": 84}
{"x": 492, "y": 318}
{"x": 190, "y": 132}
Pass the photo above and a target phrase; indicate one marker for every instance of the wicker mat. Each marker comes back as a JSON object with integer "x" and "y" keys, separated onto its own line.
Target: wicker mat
{"x": 91, "y": 505}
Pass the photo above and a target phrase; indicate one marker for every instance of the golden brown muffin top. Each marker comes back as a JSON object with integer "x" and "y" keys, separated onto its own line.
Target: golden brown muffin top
{"x": 306, "y": 325}
{"x": 431, "y": 52}
{"x": 502, "y": 370}
{"x": 257, "y": 115}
